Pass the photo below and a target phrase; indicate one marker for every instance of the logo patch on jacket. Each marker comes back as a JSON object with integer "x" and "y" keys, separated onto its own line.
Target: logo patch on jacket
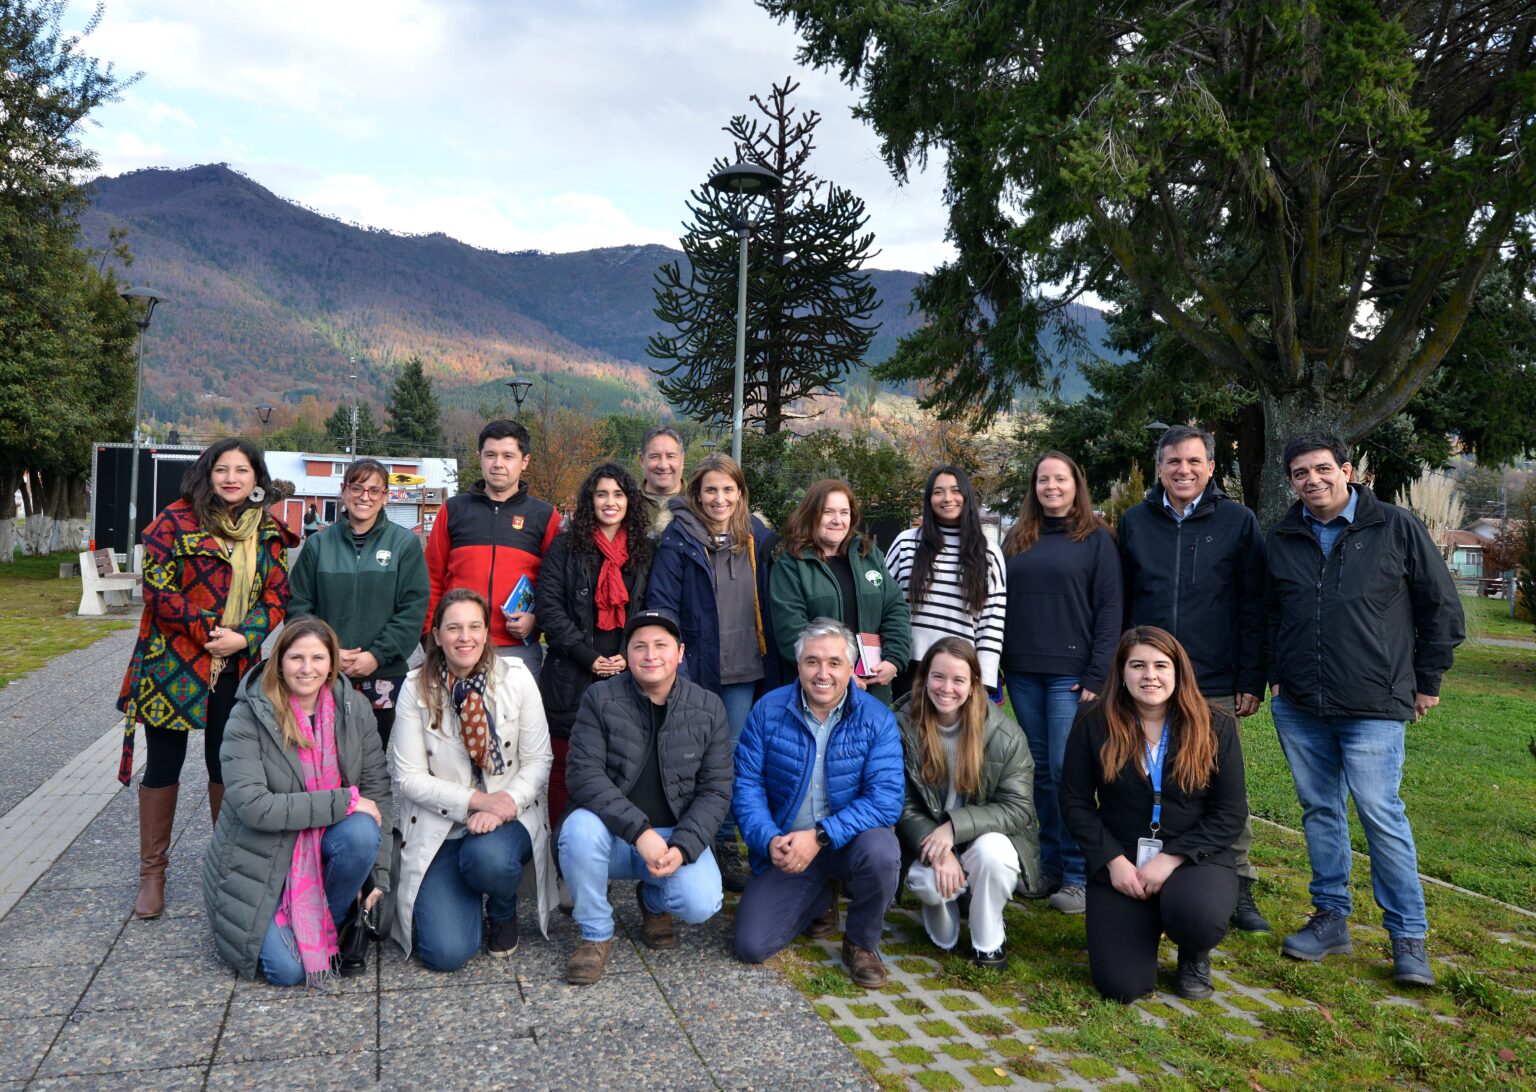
{"x": 874, "y": 577}
{"x": 382, "y": 557}
{"x": 517, "y": 523}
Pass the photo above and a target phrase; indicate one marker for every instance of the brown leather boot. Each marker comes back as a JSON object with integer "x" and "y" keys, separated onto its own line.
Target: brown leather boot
{"x": 657, "y": 930}
{"x": 824, "y": 924}
{"x": 864, "y": 966}
{"x": 215, "y": 801}
{"x": 588, "y": 962}
{"x": 157, "y": 814}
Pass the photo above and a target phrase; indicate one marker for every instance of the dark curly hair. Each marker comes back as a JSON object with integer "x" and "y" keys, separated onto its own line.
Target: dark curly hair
{"x": 197, "y": 483}
{"x": 637, "y": 518}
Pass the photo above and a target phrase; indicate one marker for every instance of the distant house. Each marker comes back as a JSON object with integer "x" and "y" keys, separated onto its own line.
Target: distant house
{"x": 1485, "y": 529}
{"x": 418, "y": 487}
{"x": 1464, "y": 552}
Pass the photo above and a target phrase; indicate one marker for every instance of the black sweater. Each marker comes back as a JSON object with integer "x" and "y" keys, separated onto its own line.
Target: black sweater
{"x": 1106, "y": 818}
{"x": 1064, "y": 606}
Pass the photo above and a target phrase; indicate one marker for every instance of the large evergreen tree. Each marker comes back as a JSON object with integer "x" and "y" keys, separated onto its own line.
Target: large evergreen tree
{"x": 415, "y": 420}
{"x": 1308, "y": 195}
{"x": 338, "y": 429}
{"x": 808, "y": 304}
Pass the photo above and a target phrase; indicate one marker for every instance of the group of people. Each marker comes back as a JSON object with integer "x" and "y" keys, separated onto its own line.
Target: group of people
{"x": 638, "y": 691}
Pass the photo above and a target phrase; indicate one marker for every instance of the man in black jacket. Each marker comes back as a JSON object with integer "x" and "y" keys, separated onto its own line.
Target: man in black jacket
{"x": 1194, "y": 565}
{"x": 649, "y": 774}
{"x": 1363, "y": 620}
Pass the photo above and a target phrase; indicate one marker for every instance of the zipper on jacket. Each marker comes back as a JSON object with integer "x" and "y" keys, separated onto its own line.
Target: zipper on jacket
{"x": 1317, "y": 625}
{"x": 490, "y": 584}
{"x": 1178, "y": 570}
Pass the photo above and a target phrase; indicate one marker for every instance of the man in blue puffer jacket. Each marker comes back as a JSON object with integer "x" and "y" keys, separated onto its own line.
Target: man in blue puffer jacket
{"x": 818, "y": 789}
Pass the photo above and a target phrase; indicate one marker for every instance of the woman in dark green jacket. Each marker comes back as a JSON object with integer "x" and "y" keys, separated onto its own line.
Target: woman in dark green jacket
{"x": 830, "y": 569}
{"x": 367, "y": 578}
{"x": 968, "y": 823}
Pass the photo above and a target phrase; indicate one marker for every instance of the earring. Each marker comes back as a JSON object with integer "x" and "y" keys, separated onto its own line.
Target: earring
{"x": 258, "y": 495}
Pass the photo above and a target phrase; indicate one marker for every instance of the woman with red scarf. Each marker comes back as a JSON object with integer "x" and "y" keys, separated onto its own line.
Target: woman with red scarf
{"x": 592, "y": 577}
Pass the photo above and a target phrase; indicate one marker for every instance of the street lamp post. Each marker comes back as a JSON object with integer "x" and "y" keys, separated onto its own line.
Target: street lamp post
{"x": 264, "y": 412}
{"x": 151, "y": 300}
{"x": 746, "y": 181}
{"x": 519, "y": 392}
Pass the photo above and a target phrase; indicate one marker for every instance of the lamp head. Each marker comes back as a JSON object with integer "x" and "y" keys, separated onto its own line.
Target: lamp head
{"x": 150, "y": 298}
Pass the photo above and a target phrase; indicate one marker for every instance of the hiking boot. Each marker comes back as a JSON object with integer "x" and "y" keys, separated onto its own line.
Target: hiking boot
{"x": 995, "y": 960}
{"x": 864, "y": 966}
{"x": 824, "y": 924}
{"x": 587, "y": 962}
{"x": 1410, "y": 962}
{"x": 157, "y": 815}
{"x": 1247, "y": 917}
{"x": 1192, "y": 981}
{"x": 502, "y": 941}
{"x": 1046, "y": 885}
{"x": 734, "y": 872}
{"x": 1325, "y": 934}
{"x": 1071, "y": 899}
{"x": 657, "y": 930}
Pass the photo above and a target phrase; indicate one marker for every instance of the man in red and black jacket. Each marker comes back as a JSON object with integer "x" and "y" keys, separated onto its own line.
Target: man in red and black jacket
{"x": 489, "y": 537}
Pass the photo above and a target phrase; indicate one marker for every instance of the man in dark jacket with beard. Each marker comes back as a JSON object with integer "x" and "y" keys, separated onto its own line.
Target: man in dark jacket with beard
{"x": 649, "y": 775}
{"x": 1194, "y": 565}
{"x": 1363, "y": 620}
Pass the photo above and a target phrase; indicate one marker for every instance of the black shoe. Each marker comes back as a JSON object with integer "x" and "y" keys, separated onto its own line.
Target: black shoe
{"x": 1247, "y": 916}
{"x": 734, "y": 872}
{"x": 1192, "y": 981}
{"x": 502, "y": 941}
{"x": 993, "y": 961}
{"x": 352, "y": 944}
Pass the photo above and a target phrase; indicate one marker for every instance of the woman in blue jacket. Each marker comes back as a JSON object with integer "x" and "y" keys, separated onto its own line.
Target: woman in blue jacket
{"x": 711, "y": 573}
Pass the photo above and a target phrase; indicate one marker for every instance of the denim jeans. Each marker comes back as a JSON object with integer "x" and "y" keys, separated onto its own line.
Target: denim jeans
{"x": 445, "y": 922}
{"x": 347, "y": 852}
{"x": 738, "y": 706}
{"x": 1332, "y": 758}
{"x": 1045, "y": 706}
{"x": 590, "y": 856}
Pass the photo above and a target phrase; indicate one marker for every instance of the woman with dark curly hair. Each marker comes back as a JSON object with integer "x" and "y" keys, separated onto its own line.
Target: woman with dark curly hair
{"x": 593, "y": 575}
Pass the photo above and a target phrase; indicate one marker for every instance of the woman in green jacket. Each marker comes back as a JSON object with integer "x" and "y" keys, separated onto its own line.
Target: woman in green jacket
{"x": 830, "y": 569}
{"x": 968, "y": 823}
{"x": 367, "y": 578}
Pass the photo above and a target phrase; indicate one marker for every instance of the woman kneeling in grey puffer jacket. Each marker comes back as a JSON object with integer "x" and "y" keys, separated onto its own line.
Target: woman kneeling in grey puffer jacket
{"x": 305, "y": 788}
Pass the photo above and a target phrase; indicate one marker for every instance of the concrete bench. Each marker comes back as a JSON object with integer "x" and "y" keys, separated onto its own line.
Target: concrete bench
{"x": 102, "y": 584}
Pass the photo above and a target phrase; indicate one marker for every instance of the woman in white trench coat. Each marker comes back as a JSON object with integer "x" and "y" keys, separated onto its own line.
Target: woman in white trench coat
{"x": 470, "y": 758}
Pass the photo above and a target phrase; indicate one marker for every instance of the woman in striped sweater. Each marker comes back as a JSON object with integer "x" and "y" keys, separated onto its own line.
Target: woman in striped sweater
{"x": 952, "y": 576}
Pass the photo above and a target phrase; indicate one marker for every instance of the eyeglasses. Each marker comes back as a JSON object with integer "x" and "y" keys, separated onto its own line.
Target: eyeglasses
{"x": 371, "y": 491}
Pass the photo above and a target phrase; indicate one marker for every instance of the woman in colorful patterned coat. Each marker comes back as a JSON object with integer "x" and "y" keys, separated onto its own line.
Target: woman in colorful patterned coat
{"x": 215, "y": 585}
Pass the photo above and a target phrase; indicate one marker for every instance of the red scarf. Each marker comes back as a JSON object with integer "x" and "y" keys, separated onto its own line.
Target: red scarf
{"x": 611, "y": 594}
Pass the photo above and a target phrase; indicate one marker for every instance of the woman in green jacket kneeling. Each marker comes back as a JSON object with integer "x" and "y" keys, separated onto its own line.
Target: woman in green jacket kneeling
{"x": 305, "y": 787}
{"x": 830, "y": 569}
{"x": 969, "y": 818}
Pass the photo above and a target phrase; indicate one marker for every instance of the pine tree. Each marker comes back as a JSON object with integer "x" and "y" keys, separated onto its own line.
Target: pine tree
{"x": 338, "y": 429}
{"x": 808, "y": 304}
{"x": 415, "y": 420}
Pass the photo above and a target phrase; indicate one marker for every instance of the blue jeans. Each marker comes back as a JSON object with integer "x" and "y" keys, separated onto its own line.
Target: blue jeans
{"x": 590, "y": 856}
{"x": 1331, "y": 759}
{"x": 738, "y": 706}
{"x": 1045, "y": 706}
{"x": 347, "y": 852}
{"x": 445, "y": 922}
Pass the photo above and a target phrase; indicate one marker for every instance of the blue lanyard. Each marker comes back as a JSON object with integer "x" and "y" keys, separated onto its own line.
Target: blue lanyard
{"x": 1155, "y": 775}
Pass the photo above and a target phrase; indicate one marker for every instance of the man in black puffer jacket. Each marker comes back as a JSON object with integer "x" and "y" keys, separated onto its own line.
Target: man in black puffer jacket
{"x": 649, "y": 774}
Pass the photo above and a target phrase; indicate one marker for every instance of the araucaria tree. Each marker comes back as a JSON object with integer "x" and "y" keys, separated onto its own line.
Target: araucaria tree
{"x": 808, "y": 304}
{"x": 1308, "y": 195}
{"x": 415, "y": 420}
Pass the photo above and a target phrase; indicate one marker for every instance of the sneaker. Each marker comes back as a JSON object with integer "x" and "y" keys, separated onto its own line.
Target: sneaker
{"x": 734, "y": 872}
{"x": 1410, "y": 962}
{"x": 1046, "y": 885}
{"x": 503, "y": 939}
{"x": 657, "y": 930}
{"x": 1192, "y": 981}
{"x": 1247, "y": 917}
{"x": 864, "y": 966}
{"x": 1071, "y": 899}
{"x": 1325, "y": 934}
{"x": 824, "y": 924}
{"x": 587, "y": 962}
{"x": 995, "y": 960}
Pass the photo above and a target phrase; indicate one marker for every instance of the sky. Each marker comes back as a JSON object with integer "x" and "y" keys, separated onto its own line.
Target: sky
{"x": 527, "y": 125}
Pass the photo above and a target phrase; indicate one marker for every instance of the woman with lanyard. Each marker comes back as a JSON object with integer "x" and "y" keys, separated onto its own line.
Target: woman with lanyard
{"x": 593, "y": 575}
{"x": 829, "y": 568}
{"x": 367, "y": 577}
{"x": 1152, "y": 789}
{"x": 215, "y": 585}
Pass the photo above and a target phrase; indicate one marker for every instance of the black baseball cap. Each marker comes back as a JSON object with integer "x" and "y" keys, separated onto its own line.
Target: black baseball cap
{"x": 662, "y": 618}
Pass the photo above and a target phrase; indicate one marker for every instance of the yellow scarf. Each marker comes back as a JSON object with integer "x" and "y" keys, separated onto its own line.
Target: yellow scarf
{"x": 237, "y": 539}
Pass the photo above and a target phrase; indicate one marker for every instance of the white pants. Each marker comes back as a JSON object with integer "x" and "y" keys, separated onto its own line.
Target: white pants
{"x": 991, "y": 867}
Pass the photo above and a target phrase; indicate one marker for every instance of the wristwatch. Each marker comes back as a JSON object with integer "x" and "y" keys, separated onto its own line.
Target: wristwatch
{"x": 823, "y": 839}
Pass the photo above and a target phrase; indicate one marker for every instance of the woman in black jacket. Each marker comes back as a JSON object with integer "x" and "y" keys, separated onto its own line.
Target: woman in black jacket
{"x": 1152, "y": 790}
{"x": 592, "y": 577}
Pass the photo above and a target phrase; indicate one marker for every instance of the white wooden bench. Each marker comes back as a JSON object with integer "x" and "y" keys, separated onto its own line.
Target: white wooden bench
{"x": 102, "y": 584}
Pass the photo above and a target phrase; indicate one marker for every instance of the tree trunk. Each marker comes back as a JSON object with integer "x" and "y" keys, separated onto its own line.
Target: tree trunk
{"x": 38, "y": 533}
{"x": 10, "y": 480}
{"x": 74, "y": 514}
{"x": 1285, "y": 418}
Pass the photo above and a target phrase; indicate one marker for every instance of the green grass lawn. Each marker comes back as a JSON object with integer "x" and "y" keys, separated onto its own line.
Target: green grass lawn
{"x": 37, "y": 619}
{"x": 1490, "y": 618}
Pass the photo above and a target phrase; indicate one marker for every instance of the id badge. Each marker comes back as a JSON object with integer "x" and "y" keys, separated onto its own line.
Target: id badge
{"x": 1146, "y": 849}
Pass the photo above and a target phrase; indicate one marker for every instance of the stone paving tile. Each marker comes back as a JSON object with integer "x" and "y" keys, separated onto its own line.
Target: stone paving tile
{"x": 26, "y": 1041}
{"x": 648, "y": 1052}
{"x": 133, "y": 1039}
{"x": 160, "y": 1080}
{"x": 141, "y": 981}
{"x": 471, "y": 1015}
{"x": 511, "y": 1063}
{"x": 304, "y": 1023}
{"x": 333, "y": 1071}
{"x": 556, "y": 1007}
{"x": 35, "y": 935}
{"x": 52, "y": 991}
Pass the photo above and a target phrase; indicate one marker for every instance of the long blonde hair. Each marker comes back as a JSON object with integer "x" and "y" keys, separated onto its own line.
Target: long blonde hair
{"x": 973, "y": 721}
{"x": 275, "y": 687}
{"x": 433, "y": 694}
{"x": 740, "y": 527}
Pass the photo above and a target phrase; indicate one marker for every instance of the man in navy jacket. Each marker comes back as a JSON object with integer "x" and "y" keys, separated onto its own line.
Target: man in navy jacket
{"x": 819, "y": 787}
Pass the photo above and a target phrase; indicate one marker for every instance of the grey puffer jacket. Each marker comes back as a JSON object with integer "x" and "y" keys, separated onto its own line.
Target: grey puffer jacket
{"x": 265, "y": 807}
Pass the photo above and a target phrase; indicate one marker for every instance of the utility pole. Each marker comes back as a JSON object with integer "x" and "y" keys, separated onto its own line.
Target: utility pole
{"x": 352, "y": 450}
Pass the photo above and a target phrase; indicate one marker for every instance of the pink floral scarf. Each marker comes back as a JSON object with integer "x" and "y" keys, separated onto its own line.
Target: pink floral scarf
{"x": 303, "y": 905}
